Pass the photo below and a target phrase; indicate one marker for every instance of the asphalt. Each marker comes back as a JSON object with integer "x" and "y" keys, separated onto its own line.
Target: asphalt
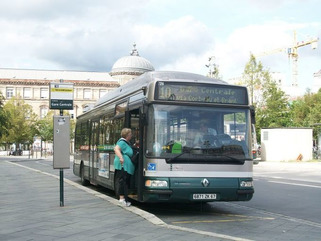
{"x": 30, "y": 210}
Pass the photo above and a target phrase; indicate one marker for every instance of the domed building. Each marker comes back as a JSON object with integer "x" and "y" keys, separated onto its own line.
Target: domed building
{"x": 129, "y": 67}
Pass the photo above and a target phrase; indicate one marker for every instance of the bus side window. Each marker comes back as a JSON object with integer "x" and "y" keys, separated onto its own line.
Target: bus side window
{"x": 134, "y": 125}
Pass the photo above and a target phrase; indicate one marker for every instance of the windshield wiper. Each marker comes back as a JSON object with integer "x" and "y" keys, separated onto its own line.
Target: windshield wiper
{"x": 175, "y": 157}
{"x": 232, "y": 158}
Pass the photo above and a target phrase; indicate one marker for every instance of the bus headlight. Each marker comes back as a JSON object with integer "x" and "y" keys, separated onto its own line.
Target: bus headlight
{"x": 246, "y": 184}
{"x": 156, "y": 183}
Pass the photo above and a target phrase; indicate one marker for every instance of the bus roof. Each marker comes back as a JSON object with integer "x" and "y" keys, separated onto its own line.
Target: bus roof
{"x": 144, "y": 79}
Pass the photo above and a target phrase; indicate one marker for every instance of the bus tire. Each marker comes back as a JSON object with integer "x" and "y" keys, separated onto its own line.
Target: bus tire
{"x": 83, "y": 180}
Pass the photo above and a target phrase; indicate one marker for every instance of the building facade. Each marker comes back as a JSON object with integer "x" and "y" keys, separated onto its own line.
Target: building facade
{"x": 33, "y": 85}
{"x": 35, "y": 90}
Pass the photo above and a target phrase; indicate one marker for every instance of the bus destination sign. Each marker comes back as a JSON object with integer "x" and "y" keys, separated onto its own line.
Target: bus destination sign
{"x": 61, "y": 96}
{"x": 208, "y": 93}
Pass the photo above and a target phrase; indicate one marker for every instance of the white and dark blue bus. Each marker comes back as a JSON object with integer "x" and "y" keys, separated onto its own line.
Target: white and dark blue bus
{"x": 164, "y": 111}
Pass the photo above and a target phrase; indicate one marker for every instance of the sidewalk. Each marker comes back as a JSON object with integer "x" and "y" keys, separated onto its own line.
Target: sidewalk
{"x": 30, "y": 210}
{"x": 273, "y": 166}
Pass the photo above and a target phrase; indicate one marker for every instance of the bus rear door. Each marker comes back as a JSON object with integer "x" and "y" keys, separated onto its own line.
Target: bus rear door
{"x": 93, "y": 158}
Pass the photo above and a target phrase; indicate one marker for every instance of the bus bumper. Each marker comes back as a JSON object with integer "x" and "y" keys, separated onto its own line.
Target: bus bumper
{"x": 193, "y": 190}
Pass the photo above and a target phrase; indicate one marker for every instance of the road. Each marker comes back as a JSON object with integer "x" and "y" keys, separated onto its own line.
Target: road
{"x": 286, "y": 204}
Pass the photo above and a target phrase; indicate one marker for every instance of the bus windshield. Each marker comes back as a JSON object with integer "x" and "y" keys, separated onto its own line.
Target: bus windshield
{"x": 195, "y": 134}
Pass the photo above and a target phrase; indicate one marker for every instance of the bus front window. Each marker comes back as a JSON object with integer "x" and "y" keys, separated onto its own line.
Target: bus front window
{"x": 198, "y": 134}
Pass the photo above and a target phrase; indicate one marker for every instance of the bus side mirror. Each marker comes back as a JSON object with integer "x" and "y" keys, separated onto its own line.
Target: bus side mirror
{"x": 144, "y": 89}
{"x": 252, "y": 110}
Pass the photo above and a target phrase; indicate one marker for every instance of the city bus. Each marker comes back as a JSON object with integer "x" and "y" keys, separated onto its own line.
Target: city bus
{"x": 164, "y": 109}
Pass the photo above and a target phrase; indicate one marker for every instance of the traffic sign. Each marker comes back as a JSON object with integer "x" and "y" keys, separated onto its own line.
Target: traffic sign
{"x": 61, "y": 96}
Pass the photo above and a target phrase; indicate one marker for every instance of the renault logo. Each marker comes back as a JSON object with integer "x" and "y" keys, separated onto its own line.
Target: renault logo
{"x": 205, "y": 182}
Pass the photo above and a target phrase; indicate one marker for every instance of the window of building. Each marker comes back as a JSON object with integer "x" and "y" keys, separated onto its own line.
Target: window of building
{"x": 78, "y": 93}
{"x": 87, "y": 94}
{"x": 27, "y": 93}
{"x": 10, "y": 92}
{"x": 102, "y": 93}
{"x": 43, "y": 111}
{"x": 44, "y": 93}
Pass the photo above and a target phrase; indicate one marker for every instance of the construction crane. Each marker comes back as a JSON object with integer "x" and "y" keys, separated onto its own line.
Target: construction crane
{"x": 292, "y": 53}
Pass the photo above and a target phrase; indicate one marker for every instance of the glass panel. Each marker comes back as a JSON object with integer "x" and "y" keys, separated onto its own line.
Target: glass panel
{"x": 120, "y": 108}
{"x": 102, "y": 93}
{"x": 185, "y": 133}
{"x": 87, "y": 94}
{"x": 44, "y": 93}
{"x": 26, "y": 93}
{"x": 10, "y": 92}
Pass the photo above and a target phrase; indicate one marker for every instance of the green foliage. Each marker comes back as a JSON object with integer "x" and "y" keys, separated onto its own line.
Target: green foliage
{"x": 306, "y": 112}
{"x": 72, "y": 128}
{"x": 253, "y": 76}
{"x": 21, "y": 122}
{"x": 215, "y": 73}
{"x": 274, "y": 111}
{"x": 271, "y": 103}
{"x": 3, "y": 118}
{"x": 45, "y": 127}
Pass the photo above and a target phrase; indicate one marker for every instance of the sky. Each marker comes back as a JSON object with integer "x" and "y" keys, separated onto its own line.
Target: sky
{"x": 181, "y": 35}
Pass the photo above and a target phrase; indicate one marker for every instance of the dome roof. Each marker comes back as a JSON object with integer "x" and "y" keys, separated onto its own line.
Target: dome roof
{"x": 133, "y": 64}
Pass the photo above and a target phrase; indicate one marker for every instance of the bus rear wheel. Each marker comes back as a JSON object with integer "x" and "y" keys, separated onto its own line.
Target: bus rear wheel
{"x": 83, "y": 180}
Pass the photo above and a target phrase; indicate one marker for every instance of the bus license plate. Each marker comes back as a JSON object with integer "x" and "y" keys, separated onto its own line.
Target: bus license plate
{"x": 204, "y": 196}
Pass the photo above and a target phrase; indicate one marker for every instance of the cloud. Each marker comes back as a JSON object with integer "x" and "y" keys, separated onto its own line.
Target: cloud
{"x": 171, "y": 43}
{"x": 50, "y": 10}
{"x": 92, "y": 35}
{"x": 234, "y": 52}
{"x": 39, "y": 9}
{"x": 66, "y": 34}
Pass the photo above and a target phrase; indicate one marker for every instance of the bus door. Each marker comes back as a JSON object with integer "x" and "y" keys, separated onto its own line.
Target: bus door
{"x": 93, "y": 153}
{"x": 134, "y": 123}
{"x": 140, "y": 175}
{"x": 137, "y": 125}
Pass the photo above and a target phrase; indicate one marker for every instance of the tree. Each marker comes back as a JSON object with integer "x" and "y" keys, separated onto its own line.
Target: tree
{"x": 213, "y": 70}
{"x": 306, "y": 112}
{"x": 3, "y": 118}
{"x": 21, "y": 121}
{"x": 274, "y": 111}
{"x": 45, "y": 127}
{"x": 253, "y": 76}
{"x": 271, "y": 103}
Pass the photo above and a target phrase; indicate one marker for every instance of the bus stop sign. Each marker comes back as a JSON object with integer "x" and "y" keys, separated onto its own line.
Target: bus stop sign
{"x": 61, "y": 96}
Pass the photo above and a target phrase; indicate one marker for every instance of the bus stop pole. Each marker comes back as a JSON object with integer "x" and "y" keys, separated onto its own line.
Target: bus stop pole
{"x": 61, "y": 187}
{"x": 61, "y": 177}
